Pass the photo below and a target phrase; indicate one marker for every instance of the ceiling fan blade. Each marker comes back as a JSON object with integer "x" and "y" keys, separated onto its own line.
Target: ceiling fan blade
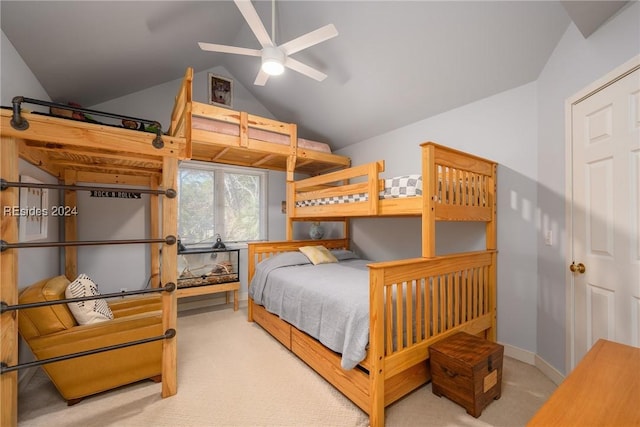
{"x": 261, "y": 78}
{"x": 228, "y": 49}
{"x": 304, "y": 69}
{"x": 254, "y": 21}
{"x": 307, "y": 40}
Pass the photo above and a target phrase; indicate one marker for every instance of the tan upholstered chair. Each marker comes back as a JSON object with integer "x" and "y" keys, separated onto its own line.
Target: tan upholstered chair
{"x": 52, "y": 331}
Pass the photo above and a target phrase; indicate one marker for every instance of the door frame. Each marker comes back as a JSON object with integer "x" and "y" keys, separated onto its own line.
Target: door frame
{"x": 601, "y": 83}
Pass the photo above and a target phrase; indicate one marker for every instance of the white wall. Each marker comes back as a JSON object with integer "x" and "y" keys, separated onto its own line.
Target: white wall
{"x": 15, "y": 77}
{"x": 501, "y": 128}
{"x": 523, "y": 130}
{"x": 118, "y": 266}
{"x": 156, "y": 103}
{"x": 574, "y": 64}
{"x": 33, "y": 264}
{"x": 17, "y": 80}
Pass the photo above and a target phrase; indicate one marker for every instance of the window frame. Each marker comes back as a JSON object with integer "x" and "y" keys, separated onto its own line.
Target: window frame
{"x": 219, "y": 170}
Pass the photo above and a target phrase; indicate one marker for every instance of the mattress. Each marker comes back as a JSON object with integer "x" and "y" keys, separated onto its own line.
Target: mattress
{"x": 232, "y": 129}
{"x": 330, "y": 302}
{"x": 396, "y": 187}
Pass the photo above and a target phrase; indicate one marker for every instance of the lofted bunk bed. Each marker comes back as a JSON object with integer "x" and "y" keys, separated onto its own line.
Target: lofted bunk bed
{"x": 409, "y": 304}
{"x": 77, "y": 153}
{"x": 222, "y": 135}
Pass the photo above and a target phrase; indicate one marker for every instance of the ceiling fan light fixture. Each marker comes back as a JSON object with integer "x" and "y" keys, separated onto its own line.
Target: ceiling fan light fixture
{"x": 275, "y": 58}
{"x": 272, "y": 61}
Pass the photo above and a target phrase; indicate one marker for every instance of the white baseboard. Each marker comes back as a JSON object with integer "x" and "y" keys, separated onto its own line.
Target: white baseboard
{"x": 519, "y": 354}
{"x": 533, "y": 359}
{"x": 549, "y": 371}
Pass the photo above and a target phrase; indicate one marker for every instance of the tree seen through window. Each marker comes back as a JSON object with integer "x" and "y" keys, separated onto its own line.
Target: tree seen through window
{"x": 220, "y": 200}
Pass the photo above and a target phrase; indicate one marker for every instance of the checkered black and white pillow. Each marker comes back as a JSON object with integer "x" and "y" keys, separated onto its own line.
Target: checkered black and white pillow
{"x": 402, "y": 186}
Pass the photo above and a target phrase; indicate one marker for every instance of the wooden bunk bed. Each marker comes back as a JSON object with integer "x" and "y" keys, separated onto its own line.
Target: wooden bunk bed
{"x": 459, "y": 187}
{"x": 83, "y": 152}
{"x": 222, "y": 135}
{"x": 445, "y": 294}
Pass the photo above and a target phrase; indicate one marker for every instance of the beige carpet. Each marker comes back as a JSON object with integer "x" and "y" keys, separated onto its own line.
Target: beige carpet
{"x": 232, "y": 373}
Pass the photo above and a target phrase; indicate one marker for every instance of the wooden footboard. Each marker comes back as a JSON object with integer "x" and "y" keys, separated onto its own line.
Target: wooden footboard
{"x": 413, "y": 304}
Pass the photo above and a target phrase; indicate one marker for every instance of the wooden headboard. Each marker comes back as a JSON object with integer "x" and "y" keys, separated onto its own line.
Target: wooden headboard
{"x": 262, "y": 250}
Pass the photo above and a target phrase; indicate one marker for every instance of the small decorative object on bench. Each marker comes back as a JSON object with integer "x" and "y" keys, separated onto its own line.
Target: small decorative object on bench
{"x": 468, "y": 370}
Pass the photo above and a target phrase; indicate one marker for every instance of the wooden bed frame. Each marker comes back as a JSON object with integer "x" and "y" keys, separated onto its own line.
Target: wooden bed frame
{"x": 457, "y": 186}
{"x": 84, "y": 152}
{"x": 241, "y": 150}
{"x": 456, "y": 292}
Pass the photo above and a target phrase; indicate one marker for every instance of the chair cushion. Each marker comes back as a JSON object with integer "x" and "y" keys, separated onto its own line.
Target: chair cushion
{"x": 49, "y": 319}
{"x": 90, "y": 311}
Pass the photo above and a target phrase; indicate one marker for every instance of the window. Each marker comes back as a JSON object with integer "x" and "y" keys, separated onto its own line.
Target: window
{"x": 216, "y": 199}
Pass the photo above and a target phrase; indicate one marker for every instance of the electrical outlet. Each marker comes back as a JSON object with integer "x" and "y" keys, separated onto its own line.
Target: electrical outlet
{"x": 548, "y": 238}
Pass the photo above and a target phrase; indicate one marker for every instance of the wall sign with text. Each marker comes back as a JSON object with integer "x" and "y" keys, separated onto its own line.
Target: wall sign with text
{"x": 116, "y": 194}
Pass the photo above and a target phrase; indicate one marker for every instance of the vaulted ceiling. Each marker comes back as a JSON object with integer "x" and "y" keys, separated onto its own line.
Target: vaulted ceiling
{"x": 393, "y": 62}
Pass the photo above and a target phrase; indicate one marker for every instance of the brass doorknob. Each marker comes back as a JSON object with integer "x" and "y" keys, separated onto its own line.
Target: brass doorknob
{"x": 577, "y": 268}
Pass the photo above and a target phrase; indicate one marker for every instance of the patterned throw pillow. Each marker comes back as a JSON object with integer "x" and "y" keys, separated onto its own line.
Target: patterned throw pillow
{"x": 90, "y": 311}
{"x": 318, "y": 254}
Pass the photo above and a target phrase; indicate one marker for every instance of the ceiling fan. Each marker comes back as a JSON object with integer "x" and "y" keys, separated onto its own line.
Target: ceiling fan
{"x": 275, "y": 58}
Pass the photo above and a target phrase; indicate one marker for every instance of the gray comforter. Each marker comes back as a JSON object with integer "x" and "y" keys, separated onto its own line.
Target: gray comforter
{"x": 330, "y": 302}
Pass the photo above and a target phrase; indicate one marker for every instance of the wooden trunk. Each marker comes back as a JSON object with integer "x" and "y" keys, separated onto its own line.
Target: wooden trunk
{"x": 467, "y": 370}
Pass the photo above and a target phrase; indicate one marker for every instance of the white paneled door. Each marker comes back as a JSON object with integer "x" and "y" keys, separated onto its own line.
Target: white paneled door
{"x": 604, "y": 259}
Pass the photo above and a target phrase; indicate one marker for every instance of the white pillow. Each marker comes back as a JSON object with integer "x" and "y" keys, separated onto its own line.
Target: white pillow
{"x": 91, "y": 311}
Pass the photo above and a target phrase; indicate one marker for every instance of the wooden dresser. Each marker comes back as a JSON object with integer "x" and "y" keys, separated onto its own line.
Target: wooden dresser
{"x": 603, "y": 390}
